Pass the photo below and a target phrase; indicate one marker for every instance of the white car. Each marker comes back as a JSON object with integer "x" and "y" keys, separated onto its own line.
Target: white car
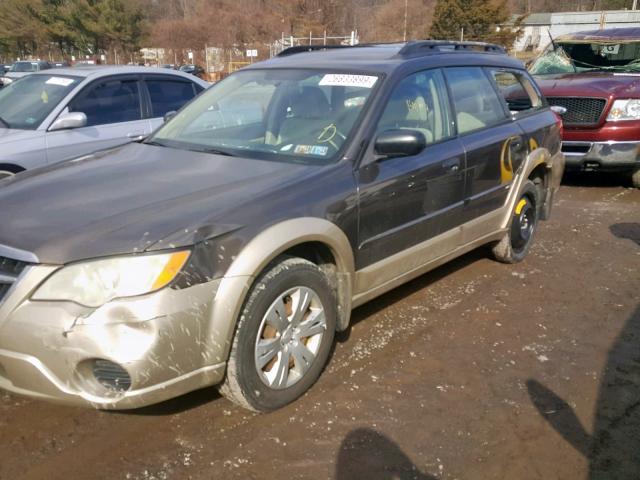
{"x": 54, "y": 115}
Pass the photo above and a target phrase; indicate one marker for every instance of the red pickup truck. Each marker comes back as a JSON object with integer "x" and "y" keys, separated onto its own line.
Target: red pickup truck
{"x": 595, "y": 76}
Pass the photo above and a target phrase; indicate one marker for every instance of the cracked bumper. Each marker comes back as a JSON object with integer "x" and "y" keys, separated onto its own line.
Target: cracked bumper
{"x": 164, "y": 341}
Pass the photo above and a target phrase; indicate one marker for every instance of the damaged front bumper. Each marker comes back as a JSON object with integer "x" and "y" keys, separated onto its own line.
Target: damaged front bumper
{"x": 126, "y": 354}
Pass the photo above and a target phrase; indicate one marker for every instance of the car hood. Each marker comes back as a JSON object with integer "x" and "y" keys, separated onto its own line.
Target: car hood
{"x": 12, "y": 135}
{"x": 593, "y": 84}
{"x": 131, "y": 199}
{"x": 17, "y": 74}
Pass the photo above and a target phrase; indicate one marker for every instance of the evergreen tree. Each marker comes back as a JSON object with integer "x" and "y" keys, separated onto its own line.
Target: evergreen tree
{"x": 477, "y": 20}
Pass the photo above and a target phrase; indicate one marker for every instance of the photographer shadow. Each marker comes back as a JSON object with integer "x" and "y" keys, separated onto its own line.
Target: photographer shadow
{"x": 367, "y": 454}
{"x": 613, "y": 446}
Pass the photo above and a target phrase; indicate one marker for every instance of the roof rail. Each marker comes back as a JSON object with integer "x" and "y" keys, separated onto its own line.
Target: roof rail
{"x": 428, "y": 46}
{"x": 310, "y": 48}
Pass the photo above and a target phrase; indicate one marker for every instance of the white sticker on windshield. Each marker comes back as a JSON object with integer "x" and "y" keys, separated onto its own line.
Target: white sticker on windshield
{"x": 60, "y": 81}
{"x": 343, "y": 80}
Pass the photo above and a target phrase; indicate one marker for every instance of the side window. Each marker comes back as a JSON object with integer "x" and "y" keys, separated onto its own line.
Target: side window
{"x": 168, "y": 95}
{"x": 516, "y": 91}
{"x": 475, "y": 100}
{"x": 112, "y": 101}
{"x": 418, "y": 103}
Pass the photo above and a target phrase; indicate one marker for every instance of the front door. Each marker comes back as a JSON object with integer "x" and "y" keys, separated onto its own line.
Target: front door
{"x": 114, "y": 117}
{"x": 406, "y": 200}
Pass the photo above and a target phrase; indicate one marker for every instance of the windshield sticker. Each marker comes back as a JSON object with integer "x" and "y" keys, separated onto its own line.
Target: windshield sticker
{"x": 311, "y": 150}
{"x": 342, "y": 80}
{"x": 60, "y": 81}
{"x": 610, "y": 49}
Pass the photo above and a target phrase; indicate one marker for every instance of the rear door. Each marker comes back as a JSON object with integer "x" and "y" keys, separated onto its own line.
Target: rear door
{"x": 167, "y": 93}
{"x": 407, "y": 200}
{"x": 490, "y": 137}
{"x": 114, "y": 110}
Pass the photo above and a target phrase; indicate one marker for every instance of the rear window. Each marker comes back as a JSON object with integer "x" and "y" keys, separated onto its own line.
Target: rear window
{"x": 476, "y": 103}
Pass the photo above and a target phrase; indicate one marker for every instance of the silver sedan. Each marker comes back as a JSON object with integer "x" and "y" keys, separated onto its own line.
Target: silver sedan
{"x": 54, "y": 115}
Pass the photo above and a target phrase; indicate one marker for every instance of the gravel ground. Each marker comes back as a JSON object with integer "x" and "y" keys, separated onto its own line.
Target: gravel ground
{"x": 476, "y": 370}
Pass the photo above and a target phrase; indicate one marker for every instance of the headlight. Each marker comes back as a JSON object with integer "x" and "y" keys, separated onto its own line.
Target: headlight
{"x": 97, "y": 282}
{"x": 624, "y": 110}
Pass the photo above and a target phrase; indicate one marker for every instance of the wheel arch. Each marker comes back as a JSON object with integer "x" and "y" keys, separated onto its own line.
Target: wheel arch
{"x": 538, "y": 161}
{"x": 11, "y": 167}
{"x": 311, "y": 238}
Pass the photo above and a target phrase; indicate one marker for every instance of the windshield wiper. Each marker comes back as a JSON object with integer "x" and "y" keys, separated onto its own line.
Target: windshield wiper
{"x": 213, "y": 151}
{"x": 4, "y": 123}
{"x": 154, "y": 143}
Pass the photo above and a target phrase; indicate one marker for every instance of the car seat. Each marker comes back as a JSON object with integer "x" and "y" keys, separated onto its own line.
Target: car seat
{"x": 408, "y": 110}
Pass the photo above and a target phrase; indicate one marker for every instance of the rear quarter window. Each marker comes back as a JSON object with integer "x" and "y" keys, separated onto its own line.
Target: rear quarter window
{"x": 516, "y": 91}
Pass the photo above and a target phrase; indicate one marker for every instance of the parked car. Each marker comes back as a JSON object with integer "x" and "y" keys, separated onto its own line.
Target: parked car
{"x": 20, "y": 69}
{"x": 61, "y": 64}
{"x": 193, "y": 70}
{"x": 5, "y": 67}
{"x": 170, "y": 66}
{"x": 594, "y": 75}
{"x": 52, "y": 116}
{"x": 230, "y": 246}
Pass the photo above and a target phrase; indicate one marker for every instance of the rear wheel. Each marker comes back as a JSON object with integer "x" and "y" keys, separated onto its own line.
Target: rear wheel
{"x": 516, "y": 243}
{"x": 283, "y": 338}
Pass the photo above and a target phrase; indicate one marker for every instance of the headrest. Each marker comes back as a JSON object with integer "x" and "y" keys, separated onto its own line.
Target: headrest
{"x": 310, "y": 102}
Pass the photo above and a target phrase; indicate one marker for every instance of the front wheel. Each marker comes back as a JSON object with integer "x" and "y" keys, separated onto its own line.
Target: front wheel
{"x": 515, "y": 245}
{"x": 283, "y": 337}
{"x": 635, "y": 178}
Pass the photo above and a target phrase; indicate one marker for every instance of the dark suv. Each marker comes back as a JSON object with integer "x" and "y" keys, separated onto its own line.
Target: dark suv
{"x": 231, "y": 245}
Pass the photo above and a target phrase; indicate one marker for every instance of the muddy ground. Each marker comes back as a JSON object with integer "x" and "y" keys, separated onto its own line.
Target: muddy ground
{"x": 475, "y": 371}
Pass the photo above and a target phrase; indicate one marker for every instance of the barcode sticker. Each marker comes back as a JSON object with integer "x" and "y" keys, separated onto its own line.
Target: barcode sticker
{"x": 344, "y": 80}
{"x": 60, "y": 81}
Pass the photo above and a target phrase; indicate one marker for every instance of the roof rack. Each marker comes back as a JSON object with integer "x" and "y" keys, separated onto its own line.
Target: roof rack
{"x": 310, "y": 48}
{"x": 412, "y": 48}
{"x": 428, "y": 46}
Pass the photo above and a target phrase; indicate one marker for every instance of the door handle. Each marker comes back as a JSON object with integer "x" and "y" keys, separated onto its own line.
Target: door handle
{"x": 135, "y": 136}
{"x": 452, "y": 165}
{"x": 516, "y": 144}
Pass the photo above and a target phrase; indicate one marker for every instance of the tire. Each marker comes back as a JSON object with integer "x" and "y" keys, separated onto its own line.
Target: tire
{"x": 515, "y": 245}
{"x": 272, "y": 362}
{"x": 635, "y": 178}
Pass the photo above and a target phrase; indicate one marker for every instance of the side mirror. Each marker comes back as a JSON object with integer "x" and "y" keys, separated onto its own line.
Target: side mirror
{"x": 169, "y": 115}
{"x": 68, "y": 121}
{"x": 400, "y": 143}
{"x": 558, "y": 109}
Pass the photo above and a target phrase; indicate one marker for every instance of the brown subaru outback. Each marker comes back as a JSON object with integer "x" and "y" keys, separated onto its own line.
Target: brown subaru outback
{"x": 231, "y": 245}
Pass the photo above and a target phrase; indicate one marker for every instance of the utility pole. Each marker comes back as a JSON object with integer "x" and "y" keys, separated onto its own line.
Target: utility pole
{"x": 635, "y": 4}
{"x": 406, "y": 4}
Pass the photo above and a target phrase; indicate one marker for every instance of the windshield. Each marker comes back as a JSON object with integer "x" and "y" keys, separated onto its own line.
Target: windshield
{"x": 25, "y": 103}
{"x": 577, "y": 57}
{"x": 24, "y": 67}
{"x": 300, "y": 116}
